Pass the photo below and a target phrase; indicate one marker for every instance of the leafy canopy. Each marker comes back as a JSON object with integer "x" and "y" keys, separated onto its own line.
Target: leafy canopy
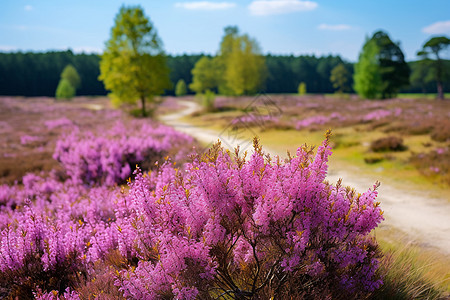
{"x": 381, "y": 70}
{"x": 437, "y": 69}
{"x": 205, "y": 75}
{"x": 133, "y": 65}
{"x": 340, "y": 77}
{"x": 244, "y": 67}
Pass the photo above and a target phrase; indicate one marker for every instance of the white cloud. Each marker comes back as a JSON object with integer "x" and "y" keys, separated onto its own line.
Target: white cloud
{"x": 438, "y": 28}
{"x": 87, "y": 49}
{"x": 277, "y": 7}
{"x": 5, "y": 48}
{"x": 337, "y": 27}
{"x": 28, "y": 7}
{"x": 205, "y": 5}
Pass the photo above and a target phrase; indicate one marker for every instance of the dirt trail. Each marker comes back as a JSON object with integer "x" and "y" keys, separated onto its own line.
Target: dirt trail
{"x": 426, "y": 220}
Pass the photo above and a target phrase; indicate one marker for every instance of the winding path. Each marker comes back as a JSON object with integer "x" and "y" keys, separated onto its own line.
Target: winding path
{"x": 426, "y": 220}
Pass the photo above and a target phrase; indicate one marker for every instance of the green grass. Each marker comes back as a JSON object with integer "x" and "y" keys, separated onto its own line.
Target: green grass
{"x": 411, "y": 272}
{"x": 420, "y": 95}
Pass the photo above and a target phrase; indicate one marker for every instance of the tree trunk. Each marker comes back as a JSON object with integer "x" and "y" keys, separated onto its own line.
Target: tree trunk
{"x": 440, "y": 91}
{"x": 144, "y": 113}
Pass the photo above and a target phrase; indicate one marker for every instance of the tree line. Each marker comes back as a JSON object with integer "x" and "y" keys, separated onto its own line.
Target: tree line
{"x": 38, "y": 74}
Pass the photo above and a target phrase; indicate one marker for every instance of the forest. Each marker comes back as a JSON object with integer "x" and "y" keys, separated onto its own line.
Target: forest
{"x": 37, "y": 74}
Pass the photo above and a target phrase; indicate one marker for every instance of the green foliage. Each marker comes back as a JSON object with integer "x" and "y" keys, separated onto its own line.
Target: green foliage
{"x": 205, "y": 75}
{"x": 302, "y": 88}
{"x": 133, "y": 65}
{"x": 180, "y": 89}
{"x": 367, "y": 77}
{"x": 394, "y": 70}
{"x": 434, "y": 46}
{"x": 65, "y": 90}
{"x": 243, "y": 65}
{"x": 37, "y": 74}
{"x": 381, "y": 70}
{"x": 208, "y": 99}
{"x": 421, "y": 74}
{"x": 70, "y": 74}
{"x": 340, "y": 77}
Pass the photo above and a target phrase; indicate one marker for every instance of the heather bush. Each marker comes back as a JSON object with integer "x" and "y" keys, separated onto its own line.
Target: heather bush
{"x": 390, "y": 143}
{"x": 110, "y": 157}
{"x": 441, "y": 132}
{"x": 229, "y": 228}
{"x": 39, "y": 252}
{"x": 434, "y": 164}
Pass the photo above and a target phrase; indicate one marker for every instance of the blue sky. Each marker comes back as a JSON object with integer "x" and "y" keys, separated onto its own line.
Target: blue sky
{"x": 319, "y": 27}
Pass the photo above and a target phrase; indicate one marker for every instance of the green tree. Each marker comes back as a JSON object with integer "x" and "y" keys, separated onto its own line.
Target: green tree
{"x": 381, "y": 70}
{"x": 393, "y": 67}
{"x": 180, "y": 88}
{"x": 205, "y": 75}
{"x": 367, "y": 77}
{"x": 302, "y": 88}
{"x": 133, "y": 65}
{"x": 65, "y": 90}
{"x": 241, "y": 63}
{"x": 70, "y": 74}
{"x": 340, "y": 78}
{"x": 421, "y": 74}
{"x": 434, "y": 46}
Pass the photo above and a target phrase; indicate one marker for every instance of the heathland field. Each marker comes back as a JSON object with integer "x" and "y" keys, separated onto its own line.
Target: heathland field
{"x": 94, "y": 201}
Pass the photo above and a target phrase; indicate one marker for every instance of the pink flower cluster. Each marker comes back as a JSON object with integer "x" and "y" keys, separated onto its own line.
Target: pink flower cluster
{"x": 227, "y": 225}
{"x": 377, "y": 115}
{"x": 220, "y": 225}
{"x": 318, "y": 120}
{"x": 62, "y": 122}
{"x": 110, "y": 157}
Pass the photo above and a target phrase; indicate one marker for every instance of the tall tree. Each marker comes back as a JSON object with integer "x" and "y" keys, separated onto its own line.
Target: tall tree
{"x": 243, "y": 65}
{"x": 133, "y": 65}
{"x": 394, "y": 70}
{"x": 205, "y": 75}
{"x": 381, "y": 70}
{"x": 367, "y": 76}
{"x": 340, "y": 78}
{"x": 434, "y": 46}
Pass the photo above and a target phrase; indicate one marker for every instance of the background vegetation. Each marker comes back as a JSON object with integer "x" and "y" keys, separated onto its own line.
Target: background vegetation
{"x": 37, "y": 74}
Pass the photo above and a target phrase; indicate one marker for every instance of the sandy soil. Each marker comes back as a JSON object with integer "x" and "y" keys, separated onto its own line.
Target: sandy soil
{"x": 426, "y": 220}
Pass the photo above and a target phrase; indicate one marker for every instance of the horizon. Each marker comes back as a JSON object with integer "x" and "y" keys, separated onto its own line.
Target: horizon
{"x": 281, "y": 27}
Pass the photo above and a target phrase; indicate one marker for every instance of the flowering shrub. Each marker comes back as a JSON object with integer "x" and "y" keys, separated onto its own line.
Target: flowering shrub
{"x": 377, "y": 115}
{"x": 389, "y": 143}
{"x": 62, "y": 122}
{"x": 36, "y": 250}
{"x": 247, "y": 229}
{"x": 111, "y": 156}
{"x": 220, "y": 226}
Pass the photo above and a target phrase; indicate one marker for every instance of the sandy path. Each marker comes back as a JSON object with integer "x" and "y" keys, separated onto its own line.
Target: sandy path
{"x": 426, "y": 220}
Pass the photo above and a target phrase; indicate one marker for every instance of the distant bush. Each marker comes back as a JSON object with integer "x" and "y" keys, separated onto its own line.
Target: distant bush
{"x": 208, "y": 100}
{"x": 65, "y": 90}
{"x": 111, "y": 156}
{"x": 373, "y": 159}
{"x": 302, "y": 88}
{"x": 180, "y": 88}
{"x": 434, "y": 164}
{"x": 390, "y": 143}
{"x": 441, "y": 133}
